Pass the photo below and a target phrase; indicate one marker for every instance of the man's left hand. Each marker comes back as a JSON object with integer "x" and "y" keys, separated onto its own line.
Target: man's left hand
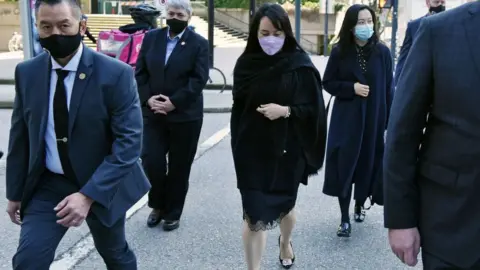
{"x": 73, "y": 210}
{"x": 166, "y": 105}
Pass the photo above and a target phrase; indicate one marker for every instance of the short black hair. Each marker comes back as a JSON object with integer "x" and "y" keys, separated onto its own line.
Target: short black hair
{"x": 76, "y": 7}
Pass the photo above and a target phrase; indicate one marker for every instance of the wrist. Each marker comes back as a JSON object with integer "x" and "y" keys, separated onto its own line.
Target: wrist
{"x": 287, "y": 112}
{"x": 87, "y": 199}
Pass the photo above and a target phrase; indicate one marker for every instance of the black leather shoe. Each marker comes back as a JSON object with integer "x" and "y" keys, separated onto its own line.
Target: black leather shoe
{"x": 359, "y": 214}
{"x": 154, "y": 218}
{"x": 170, "y": 225}
{"x": 344, "y": 230}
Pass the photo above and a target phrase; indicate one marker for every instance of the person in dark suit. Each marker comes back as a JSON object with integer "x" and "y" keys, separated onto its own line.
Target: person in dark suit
{"x": 75, "y": 144}
{"x": 431, "y": 171}
{"x": 171, "y": 71}
{"x": 434, "y": 7}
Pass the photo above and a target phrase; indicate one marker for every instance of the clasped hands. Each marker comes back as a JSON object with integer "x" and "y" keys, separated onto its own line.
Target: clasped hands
{"x": 160, "y": 107}
{"x": 273, "y": 111}
{"x": 71, "y": 211}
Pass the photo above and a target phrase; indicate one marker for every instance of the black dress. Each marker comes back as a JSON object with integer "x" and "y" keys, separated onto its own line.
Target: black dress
{"x": 272, "y": 158}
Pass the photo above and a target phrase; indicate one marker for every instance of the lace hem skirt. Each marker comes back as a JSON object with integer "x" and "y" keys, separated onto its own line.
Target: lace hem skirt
{"x": 264, "y": 211}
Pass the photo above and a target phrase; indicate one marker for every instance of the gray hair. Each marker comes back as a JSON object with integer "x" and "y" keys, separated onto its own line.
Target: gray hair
{"x": 180, "y": 4}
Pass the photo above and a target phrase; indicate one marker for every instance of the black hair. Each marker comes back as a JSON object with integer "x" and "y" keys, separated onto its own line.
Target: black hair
{"x": 346, "y": 36}
{"x": 279, "y": 18}
{"x": 76, "y": 7}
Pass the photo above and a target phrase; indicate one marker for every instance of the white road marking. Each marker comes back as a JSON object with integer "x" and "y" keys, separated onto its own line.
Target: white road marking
{"x": 82, "y": 248}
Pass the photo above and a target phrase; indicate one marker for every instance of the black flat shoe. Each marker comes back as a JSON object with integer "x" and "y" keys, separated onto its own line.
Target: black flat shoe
{"x": 359, "y": 214}
{"x": 282, "y": 261}
{"x": 154, "y": 218}
{"x": 344, "y": 230}
{"x": 170, "y": 225}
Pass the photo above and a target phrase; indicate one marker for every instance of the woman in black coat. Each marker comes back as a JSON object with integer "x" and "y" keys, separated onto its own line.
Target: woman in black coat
{"x": 359, "y": 75}
{"x": 278, "y": 130}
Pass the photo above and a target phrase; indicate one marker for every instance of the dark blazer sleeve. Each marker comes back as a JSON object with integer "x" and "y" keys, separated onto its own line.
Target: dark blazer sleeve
{"x": 332, "y": 83}
{"x": 405, "y": 132}
{"x": 390, "y": 86}
{"x": 126, "y": 125}
{"x": 185, "y": 96}
{"x": 141, "y": 71}
{"x": 18, "y": 147}
{"x": 404, "y": 50}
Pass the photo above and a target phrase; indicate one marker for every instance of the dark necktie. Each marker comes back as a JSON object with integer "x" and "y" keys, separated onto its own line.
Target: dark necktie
{"x": 60, "y": 118}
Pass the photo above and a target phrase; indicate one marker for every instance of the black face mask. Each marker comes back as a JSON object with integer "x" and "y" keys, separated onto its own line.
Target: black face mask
{"x": 437, "y": 9}
{"x": 176, "y": 25}
{"x": 61, "y": 46}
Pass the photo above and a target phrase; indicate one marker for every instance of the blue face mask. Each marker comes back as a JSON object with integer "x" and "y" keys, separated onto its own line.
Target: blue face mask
{"x": 364, "y": 32}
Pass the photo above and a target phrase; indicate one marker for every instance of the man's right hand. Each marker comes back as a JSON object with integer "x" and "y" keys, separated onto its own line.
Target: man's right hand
{"x": 13, "y": 210}
{"x": 405, "y": 243}
{"x": 155, "y": 104}
{"x": 361, "y": 89}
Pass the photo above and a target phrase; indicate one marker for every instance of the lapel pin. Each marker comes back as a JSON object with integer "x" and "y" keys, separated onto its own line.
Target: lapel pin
{"x": 183, "y": 43}
{"x": 82, "y": 76}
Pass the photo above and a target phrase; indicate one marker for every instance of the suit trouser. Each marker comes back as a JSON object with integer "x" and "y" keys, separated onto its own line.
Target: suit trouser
{"x": 431, "y": 262}
{"x": 169, "y": 185}
{"x": 40, "y": 234}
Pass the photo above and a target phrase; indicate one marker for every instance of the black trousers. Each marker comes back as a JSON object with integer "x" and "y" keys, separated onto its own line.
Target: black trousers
{"x": 169, "y": 181}
{"x": 431, "y": 262}
{"x": 40, "y": 234}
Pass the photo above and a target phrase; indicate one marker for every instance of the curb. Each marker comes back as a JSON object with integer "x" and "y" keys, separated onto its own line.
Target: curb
{"x": 212, "y": 86}
{"x": 217, "y": 110}
{"x": 9, "y": 105}
{"x": 7, "y": 81}
{"x": 6, "y": 104}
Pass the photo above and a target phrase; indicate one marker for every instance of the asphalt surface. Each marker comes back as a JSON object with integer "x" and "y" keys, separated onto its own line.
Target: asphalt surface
{"x": 210, "y": 236}
{"x": 9, "y": 232}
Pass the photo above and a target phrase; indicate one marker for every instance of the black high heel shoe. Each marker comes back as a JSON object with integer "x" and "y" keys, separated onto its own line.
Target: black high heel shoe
{"x": 285, "y": 266}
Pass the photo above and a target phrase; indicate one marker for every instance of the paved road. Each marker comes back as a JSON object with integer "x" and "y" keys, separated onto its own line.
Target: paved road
{"x": 9, "y": 232}
{"x": 209, "y": 237}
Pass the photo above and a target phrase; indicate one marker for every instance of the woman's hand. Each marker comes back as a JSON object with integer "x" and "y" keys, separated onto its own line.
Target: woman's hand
{"x": 361, "y": 89}
{"x": 273, "y": 111}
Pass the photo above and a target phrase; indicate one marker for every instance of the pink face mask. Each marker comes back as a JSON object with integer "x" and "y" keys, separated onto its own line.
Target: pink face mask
{"x": 271, "y": 44}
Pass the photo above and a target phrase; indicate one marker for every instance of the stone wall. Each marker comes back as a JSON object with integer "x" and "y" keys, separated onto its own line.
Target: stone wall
{"x": 9, "y": 23}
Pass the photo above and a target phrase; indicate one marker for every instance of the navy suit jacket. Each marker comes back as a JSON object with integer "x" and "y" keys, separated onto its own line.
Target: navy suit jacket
{"x": 412, "y": 28}
{"x": 105, "y": 133}
{"x": 182, "y": 79}
{"x": 432, "y": 165}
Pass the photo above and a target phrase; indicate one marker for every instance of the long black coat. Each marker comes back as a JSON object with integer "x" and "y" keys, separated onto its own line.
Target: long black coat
{"x": 356, "y": 136}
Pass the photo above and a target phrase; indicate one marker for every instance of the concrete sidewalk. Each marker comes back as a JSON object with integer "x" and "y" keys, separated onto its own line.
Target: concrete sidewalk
{"x": 214, "y": 101}
{"x": 224, "y": 60}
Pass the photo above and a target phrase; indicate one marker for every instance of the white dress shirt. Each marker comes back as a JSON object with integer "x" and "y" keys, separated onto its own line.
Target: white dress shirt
{"x": 52, "y": 158}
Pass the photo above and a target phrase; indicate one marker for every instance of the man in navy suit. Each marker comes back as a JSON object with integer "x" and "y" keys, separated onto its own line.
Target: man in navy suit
{"x": 434, "y": 7}
{"x": 432, "y": 177}
{"x": 171, "y": 72}
{"x": 75, "y": 144}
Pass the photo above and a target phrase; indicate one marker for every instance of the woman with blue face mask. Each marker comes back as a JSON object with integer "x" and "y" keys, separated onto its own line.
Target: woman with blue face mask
{"x": 359, "y": 76}
{"x": 278, "y": 131}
